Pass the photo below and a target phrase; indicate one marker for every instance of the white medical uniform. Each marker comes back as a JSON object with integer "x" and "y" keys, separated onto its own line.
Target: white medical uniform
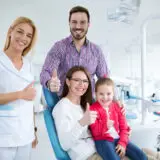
{"x": 16, "y": 118}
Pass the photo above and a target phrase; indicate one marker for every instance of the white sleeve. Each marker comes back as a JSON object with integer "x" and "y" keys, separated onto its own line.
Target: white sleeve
{"x": 68, "y": 131}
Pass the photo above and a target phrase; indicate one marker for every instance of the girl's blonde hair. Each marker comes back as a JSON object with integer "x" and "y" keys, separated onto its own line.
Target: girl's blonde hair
{"x": 16, "y": 22}
{"x": 102, "y": 81}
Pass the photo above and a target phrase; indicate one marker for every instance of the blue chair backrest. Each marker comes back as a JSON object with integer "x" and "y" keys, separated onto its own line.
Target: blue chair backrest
{"x": 51, "y": 100}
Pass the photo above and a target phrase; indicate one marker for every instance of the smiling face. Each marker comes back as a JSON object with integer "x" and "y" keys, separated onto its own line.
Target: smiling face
{"x": 104, "y": 94}
{"x": 79, "y": 25}
{"x": 78, "y": 83}
{"x": 21, "y": 36}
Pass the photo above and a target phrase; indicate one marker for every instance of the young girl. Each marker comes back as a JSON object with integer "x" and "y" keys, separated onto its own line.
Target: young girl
{"x": 110, "y": 130}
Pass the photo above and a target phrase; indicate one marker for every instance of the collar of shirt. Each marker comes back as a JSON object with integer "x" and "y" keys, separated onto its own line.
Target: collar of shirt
{"x": 72, "y": 42}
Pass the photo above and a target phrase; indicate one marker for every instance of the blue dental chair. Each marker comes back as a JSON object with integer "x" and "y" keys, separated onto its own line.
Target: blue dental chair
{"x": 51, "y": 100}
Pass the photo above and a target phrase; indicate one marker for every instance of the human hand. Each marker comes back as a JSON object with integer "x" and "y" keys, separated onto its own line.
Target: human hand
{"x": 89, "y": 117}
{"x": 35, "y": 141}
{"x": 120, "y": 150}
{"x": 110, "y": 124}
{"x": 28, "y": 93}
{"x": 54, "y": 83}
{"x": 121, "y": 105}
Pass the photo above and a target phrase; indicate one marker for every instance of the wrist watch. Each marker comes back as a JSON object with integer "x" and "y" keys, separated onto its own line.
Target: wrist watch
{"x": 35, "y": 129}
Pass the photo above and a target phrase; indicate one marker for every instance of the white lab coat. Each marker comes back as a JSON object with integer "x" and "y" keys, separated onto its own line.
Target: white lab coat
{"x": 16, "y": 118}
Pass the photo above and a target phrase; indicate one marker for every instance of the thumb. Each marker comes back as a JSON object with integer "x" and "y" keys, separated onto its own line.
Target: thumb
{"x": 54, "y": 74}
{"x": 30, "y": 85}
{"x": 87, "y": 106}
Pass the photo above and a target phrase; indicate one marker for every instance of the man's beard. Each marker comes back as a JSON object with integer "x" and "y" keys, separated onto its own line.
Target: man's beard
{"x": 78, "y": 36}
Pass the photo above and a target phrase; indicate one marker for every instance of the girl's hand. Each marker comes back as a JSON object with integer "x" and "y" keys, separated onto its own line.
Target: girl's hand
{"x": 120, "y": 150}
{"x": 110, "y": 124}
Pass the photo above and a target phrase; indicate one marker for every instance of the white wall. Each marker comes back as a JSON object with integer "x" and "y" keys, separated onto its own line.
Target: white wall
{"x": 51, "y": 17}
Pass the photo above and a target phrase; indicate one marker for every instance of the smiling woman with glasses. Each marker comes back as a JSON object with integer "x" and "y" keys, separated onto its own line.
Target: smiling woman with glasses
{"x": 72, "y": 116}
{"x": 78, "y": 83}
{"x": 78, "y": 80}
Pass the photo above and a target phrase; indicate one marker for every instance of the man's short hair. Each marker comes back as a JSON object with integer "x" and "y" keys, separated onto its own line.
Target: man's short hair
{"x": 79, "y": 9}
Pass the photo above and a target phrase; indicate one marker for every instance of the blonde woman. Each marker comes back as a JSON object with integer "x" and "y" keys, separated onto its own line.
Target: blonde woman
{"x": 17, "y": 92}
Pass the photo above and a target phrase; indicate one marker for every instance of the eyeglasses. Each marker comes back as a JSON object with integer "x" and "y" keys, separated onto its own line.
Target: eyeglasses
{"x": 78, "y": 80}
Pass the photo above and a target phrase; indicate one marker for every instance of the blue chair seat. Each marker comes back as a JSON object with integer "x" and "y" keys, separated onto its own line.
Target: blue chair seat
{"x": 51, "y": 100}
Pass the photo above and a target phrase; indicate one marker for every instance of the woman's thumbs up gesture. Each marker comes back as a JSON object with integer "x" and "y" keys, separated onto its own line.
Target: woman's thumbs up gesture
{"x": 89, "y": 117}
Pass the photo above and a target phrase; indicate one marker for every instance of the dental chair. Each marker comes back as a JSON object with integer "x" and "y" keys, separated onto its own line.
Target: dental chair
{"x": 50, "y": 100}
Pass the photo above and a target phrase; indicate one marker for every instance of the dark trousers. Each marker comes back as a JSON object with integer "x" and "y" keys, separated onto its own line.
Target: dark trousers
{"x": 106, "y": 150}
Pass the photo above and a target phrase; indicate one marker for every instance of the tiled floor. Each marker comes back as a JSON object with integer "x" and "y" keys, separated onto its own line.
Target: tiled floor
{"x": 43, "y": 150}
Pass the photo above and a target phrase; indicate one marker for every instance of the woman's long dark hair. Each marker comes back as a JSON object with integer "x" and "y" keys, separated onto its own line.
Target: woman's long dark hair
{"x": 87, "y": 97}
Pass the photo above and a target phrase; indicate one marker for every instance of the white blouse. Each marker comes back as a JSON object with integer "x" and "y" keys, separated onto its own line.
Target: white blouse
{"x": 74, "y": 138}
